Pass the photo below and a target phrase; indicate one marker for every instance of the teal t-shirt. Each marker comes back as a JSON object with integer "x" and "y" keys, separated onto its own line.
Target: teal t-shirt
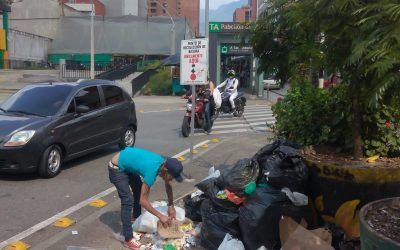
{"x": 142, "y": 162}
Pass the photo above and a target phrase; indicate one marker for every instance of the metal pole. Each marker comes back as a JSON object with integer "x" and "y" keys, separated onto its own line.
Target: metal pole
{"x": 173, "y": 40}
{"x": 92, "y": 43}
{"x": 192, "y": 122}
{"x": 207, "y": 9}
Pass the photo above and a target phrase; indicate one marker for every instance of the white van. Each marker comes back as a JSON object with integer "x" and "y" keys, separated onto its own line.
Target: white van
{"x": 271, "y": 81}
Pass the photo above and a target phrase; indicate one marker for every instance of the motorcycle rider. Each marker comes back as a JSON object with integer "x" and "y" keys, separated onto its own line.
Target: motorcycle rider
{"x": 205, "y": 91}
{"x": 231, "y": 84}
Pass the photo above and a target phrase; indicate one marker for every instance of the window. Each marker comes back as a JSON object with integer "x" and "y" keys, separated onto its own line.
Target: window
{"x": 88, "y": 97}
{"x": 153, "y": 10}
{"x": 247, "y": 16}
{"x": 45, "y": 100}
{"x": 71, "y": 107}
{"x": 112, "y": 94}
{"x": 153, "y": 5}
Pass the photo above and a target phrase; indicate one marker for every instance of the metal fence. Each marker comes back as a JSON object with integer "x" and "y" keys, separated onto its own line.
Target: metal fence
{"x": 105, "y": 70}
{"x": 81, "y": 70}
{"x": 25, "y": 65}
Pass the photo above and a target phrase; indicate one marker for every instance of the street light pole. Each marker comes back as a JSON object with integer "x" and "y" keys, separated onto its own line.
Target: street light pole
{"x": 172, "y": 29}
{"x": 92, "y": 42}
{"x": 207, "y": 9}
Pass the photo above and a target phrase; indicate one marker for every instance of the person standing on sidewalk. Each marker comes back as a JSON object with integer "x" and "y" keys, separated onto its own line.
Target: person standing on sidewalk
{"x": 126, "y": 171}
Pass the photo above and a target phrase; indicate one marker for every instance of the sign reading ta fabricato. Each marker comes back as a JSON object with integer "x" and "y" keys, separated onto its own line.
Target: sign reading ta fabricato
{"x": 194, "y": 61}
{"x": 225, "y": 27}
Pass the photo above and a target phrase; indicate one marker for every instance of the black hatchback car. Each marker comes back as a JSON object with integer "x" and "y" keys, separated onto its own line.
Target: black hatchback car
{"x": 45, "y": 124}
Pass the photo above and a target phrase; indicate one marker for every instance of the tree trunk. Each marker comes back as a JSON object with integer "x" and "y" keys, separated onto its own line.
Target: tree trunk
{"x": 357, "y": 120}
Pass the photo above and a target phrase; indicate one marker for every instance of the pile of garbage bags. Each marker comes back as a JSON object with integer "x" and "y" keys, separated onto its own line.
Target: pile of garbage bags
{"x": 246, "y": 202}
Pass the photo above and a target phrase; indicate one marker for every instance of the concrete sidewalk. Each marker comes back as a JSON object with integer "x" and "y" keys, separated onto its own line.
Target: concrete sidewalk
{"x": 97, "y": 227}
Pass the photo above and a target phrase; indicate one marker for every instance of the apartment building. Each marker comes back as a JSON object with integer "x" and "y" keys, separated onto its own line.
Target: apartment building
{"x": 189, "y": 9}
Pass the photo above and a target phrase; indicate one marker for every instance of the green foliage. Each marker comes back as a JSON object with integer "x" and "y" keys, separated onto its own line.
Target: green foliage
{"x": 359, "y": 39}
{"x": 287, "y": 40}
{"x": 312, "y": 116}
{"x": 159, "y": 84}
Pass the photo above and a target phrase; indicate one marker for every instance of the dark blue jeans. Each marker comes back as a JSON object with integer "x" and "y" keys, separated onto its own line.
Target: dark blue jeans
{"x": 130, "y": 206}
{"x": 207, "y": 113}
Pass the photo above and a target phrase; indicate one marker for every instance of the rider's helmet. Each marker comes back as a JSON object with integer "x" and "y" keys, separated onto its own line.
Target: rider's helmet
{"x": 231, "y": 73}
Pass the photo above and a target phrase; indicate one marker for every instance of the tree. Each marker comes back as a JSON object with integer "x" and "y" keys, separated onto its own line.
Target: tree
{"x": 360, "y": 39}
{"x": 362, "y": 42}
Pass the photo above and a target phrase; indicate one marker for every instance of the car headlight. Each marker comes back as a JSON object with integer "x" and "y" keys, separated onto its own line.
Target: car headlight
{"x": 20, "y": 138}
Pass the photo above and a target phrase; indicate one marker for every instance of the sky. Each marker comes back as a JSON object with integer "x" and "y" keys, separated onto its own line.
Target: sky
{"x": 214, "y": 4}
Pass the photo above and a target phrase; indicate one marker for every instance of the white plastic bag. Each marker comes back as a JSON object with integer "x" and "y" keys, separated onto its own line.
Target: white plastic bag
{"x": 217, "y": 98}
{"x": 231, "y": 244}
{"x": 147, "y": 223}
{"x": 298, "y": 199}
{"x": 212, "y": 173}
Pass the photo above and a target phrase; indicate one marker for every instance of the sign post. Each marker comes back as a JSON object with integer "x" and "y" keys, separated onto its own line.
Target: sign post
{"x": 194, "y": 71}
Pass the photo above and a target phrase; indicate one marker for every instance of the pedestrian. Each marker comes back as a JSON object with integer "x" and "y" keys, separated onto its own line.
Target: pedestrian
{"x": 133, "y": 171}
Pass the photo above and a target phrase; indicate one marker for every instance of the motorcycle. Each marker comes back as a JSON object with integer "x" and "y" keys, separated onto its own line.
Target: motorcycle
{"x": 199, "y": 116}
{"x": 240, "y": 102}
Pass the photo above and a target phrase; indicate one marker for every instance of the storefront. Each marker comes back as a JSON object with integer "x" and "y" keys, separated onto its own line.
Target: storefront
{"x": 227, "y": 52}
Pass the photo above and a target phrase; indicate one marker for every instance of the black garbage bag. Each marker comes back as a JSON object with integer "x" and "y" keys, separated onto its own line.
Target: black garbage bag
{"x": 259, "y": 218}
{"x": 211, "y": 187}
{"x": 285, "y": 168}
{"x": 192, "y": 207}
{"x": 242, "y": 173}
{"x": 216, "y": 225}
{"x": 268, "y": 149}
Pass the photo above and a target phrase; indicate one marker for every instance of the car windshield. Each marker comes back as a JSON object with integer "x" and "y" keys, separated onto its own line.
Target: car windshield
{"x": 269, "y": 77}
{"x": 40, "y": 100}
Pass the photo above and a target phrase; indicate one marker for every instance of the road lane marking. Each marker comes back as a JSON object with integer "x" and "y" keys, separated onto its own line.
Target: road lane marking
{"x": 73, "y": 209}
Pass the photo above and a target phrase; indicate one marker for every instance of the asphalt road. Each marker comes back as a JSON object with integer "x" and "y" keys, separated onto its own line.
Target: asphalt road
{"x": 26, "y": 200}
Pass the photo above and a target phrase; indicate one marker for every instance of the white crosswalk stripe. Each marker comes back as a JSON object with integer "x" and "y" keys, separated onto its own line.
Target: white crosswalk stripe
{"x": 255, "y": 118}
{"x": 258, "y": 117}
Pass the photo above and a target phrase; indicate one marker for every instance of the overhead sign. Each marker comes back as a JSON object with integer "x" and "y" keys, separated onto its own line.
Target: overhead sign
{"x": 236, "y": 48}
{"x": 225, "y": 27}
{"x": 194, "y": 61}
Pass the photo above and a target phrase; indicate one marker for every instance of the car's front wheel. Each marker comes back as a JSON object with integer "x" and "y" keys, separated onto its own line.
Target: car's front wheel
{"x": 51, "y": 161}
{"x": 128, "y": 138}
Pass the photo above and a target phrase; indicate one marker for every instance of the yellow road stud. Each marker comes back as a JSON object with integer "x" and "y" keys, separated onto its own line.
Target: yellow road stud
{"x": 204, "y": 146}
{"x": 64, "y": 222}
{"x": 98, "y": 203}
{"x": 181, "y": 158}
{"x": 215, "y": 140}
{"x": 195, "y": 151}
{"x": 18, "y": 245}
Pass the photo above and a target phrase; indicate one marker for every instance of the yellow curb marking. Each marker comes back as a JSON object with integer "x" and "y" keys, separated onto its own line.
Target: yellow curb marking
{"x": 215, "y": 140}
{"x": 18, "y": 245}
{"x": 195, "y": 151}
{"x": 63, "y": 222}
{"x": 204, "y": 146}
{"x": 98, "y": 203}
{"x": 181, "y": 158}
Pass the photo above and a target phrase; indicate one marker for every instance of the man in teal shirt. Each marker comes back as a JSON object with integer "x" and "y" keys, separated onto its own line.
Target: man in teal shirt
{"x": 126, "y": 171}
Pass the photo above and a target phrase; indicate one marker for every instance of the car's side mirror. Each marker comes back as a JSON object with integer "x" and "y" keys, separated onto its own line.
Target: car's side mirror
{"x": 82, "y": 109}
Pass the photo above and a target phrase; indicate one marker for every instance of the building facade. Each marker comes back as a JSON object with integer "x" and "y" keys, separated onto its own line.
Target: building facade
{"x": 189, "y": 9}
{"x": 242, "y": 14}
{"x": 125, "y": 7}
{"x": 84, "y": 7}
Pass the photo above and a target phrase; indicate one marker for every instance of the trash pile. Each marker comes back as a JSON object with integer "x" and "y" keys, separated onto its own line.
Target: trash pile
{"x": 256, "y": 203}
{"x": 150, "y": 233}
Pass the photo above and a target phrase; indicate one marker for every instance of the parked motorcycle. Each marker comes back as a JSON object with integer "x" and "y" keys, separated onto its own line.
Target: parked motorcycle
{"x": 240, "y": 102}
{"x": 199, "y": 116}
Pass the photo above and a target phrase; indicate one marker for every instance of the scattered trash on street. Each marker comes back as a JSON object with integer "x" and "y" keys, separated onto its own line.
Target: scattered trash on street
{"x": 259, "y": 203}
